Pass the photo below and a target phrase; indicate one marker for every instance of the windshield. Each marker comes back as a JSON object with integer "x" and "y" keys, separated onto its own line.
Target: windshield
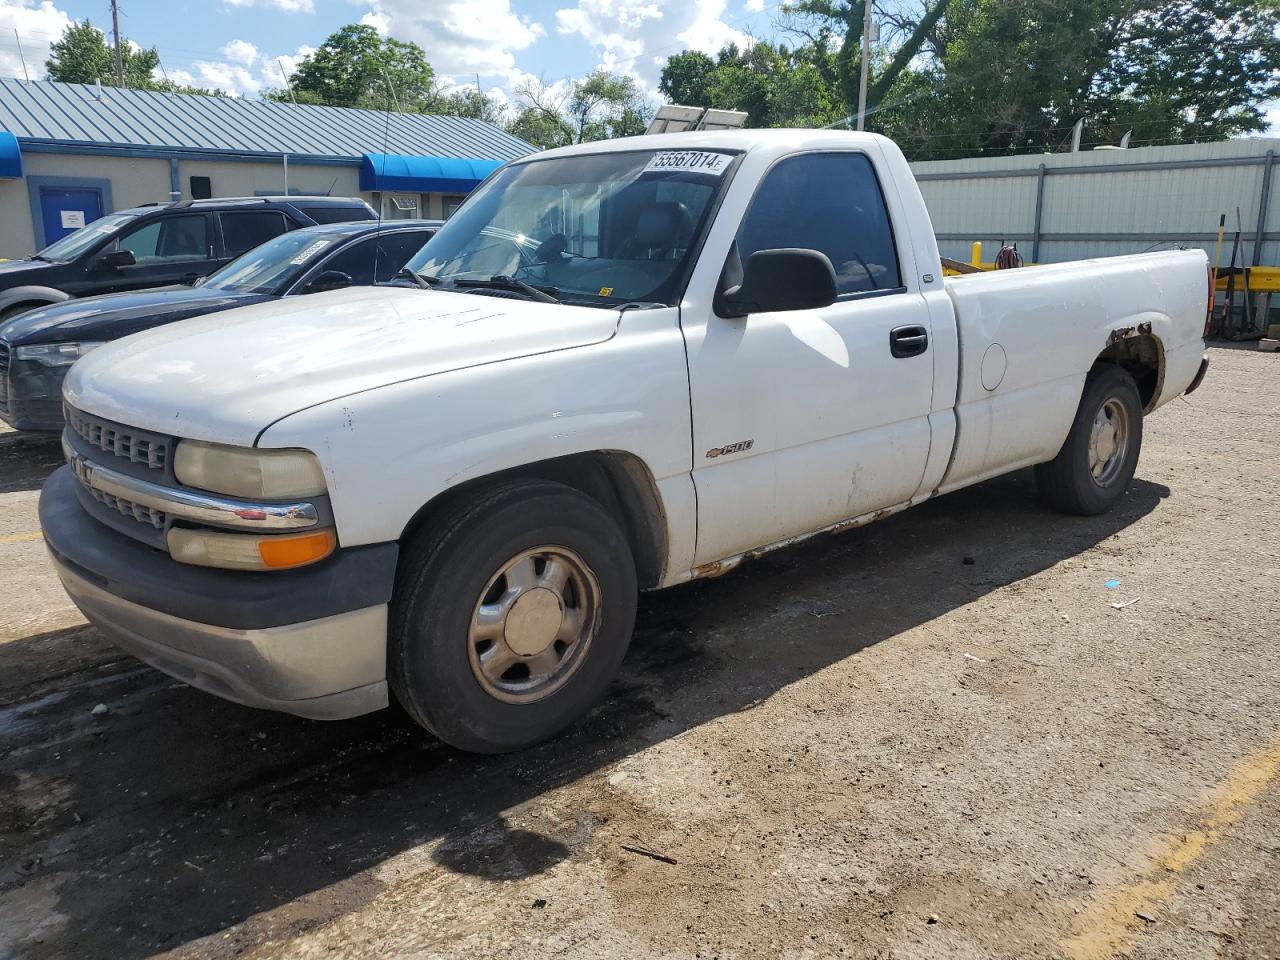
{"x": 267, "y": 267}
{"x": 600, "y": 228}
{"x": 74, "y": 244}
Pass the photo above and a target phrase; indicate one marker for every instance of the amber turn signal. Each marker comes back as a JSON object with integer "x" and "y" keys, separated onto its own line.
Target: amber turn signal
{"x": 281, "y": 553}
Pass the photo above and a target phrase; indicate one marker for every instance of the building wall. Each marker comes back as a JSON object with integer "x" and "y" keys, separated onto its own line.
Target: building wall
{"x": 231, "y": 178}
{"x": 1173, "y": 197}
{"x": 132, "y": 181}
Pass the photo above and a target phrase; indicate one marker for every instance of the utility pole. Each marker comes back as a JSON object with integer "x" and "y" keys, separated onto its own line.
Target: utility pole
{"x": 115, "y": 30}
{"x": 21, "y": 56}
{"x": 866, "y": 63}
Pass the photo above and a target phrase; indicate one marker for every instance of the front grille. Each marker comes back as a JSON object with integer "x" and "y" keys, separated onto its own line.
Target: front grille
{"x": 120, "y": 441}
{"x": 157, "y": 518}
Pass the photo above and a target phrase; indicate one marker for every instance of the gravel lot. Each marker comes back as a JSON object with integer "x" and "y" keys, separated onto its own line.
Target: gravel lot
{"x": 933, "y": 737}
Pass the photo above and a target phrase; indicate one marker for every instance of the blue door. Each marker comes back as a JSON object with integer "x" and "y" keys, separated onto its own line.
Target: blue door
{"x": 67, "y": 209}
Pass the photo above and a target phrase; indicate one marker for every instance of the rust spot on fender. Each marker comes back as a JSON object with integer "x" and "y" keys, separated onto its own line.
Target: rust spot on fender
{"x": 1124, "y": 333}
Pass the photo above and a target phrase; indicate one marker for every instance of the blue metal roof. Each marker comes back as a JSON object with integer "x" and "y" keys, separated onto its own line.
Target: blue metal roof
{"x": 10, "y": 156}
{"x": 381, "y": 171}
{"x": 84, "y": 115}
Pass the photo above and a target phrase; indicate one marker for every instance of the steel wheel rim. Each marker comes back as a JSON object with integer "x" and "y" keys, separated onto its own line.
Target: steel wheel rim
{"x": 1109, "y": 442}
{"x": 533, "y": 625}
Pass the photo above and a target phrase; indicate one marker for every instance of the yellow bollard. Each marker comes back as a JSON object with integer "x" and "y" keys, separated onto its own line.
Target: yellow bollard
{"x": 975, "y": 255}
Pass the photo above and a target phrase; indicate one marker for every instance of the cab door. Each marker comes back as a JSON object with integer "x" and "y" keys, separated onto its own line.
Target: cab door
{"x": 170, "y": 249}
{"x": 805, "y": 418}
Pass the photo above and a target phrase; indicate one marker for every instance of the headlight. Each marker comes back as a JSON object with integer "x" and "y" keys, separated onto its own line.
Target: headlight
{"x": 56, "y": 354}
{"x": 247, "y": 472}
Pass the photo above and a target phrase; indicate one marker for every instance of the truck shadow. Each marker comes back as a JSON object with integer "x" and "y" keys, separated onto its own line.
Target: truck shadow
{"x": 174, "y": 815}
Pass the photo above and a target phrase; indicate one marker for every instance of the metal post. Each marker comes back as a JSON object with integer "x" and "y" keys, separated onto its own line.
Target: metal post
{"x": 285, "y": 158}
{"x": 287, "y": 85}
{"x": 25, "y": 76}
{"x": 866, "y": 62}
{"x": 1035, "y": 230}
{"x": 1264, "y": 201}
{"x": 115, "y": 30}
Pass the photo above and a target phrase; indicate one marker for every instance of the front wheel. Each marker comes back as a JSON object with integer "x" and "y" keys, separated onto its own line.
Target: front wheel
{"x": 511, "y": 615}
{"x": 1097, "y": 462}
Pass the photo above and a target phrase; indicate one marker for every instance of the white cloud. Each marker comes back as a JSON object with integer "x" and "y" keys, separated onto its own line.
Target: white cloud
{"x": 636, "y": 36}
{"x": 288, "y": 6}
{"x": 755, "y": 6}
{"x": 244, "y": 72}
{"x": 39, "y": 25}
{"x": 241, "y": 51}
{"x": 461, "y": 37}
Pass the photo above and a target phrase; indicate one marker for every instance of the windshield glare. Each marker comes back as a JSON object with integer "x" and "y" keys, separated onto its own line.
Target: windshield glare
{"x": 266, "y": 268}
{"x": 74, "y": 244}
{"x": 605, "y": 227}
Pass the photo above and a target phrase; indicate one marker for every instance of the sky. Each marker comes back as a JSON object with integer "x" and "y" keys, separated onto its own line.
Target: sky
{"x": 239, "y": 46}
{"x": 234, "y": 44}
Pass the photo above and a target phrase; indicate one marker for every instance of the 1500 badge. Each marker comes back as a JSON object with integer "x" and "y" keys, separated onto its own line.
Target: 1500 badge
{"x": 729, "y": 448}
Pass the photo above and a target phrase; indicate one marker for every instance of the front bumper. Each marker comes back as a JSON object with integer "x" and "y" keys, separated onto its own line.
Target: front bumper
{"x": 310, "y": 642}
{"x": 31, "y": 395}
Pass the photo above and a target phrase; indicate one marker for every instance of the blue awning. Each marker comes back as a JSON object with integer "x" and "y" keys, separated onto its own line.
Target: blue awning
{"x": 10, "y": 156}
{"x": 394, "y": 171}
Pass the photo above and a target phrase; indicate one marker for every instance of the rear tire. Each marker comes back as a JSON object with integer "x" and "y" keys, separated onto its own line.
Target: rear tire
{"x": 511, "y": 614}
{"x": 1097, "y": 462}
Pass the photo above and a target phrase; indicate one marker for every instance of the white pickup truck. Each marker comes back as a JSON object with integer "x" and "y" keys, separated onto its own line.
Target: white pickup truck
{"x": 618, "y": 367}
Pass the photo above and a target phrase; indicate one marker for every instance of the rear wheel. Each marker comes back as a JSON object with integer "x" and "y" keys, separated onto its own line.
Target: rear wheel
{"x": 511, "y": 615}
{"x": 1097, "y": 462}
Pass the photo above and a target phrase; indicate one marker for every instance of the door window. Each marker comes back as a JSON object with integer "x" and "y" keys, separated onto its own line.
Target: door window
{"x": 244, "y": 231}
{"x": 399, "y": 207}
{"x": 829, "y": 202}
{"x": 389, "y": 252}
{"x": 169, "y": 240}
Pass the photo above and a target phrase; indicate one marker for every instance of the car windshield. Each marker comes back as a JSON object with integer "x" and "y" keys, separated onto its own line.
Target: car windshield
{"x": 271, "y": 265}
{"x": 599, "y": 228}
{"x": 74, "y": 244}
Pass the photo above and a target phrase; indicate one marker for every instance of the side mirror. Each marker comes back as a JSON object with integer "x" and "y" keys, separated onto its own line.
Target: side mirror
{"x": 117, "y": 259}
{"x": 329, "y": 280}
{"x": 789, "y": 278}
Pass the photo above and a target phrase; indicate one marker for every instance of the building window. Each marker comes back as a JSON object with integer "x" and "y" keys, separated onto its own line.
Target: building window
{"x": 398, "y": 206}
{"x": 450, "y": 204}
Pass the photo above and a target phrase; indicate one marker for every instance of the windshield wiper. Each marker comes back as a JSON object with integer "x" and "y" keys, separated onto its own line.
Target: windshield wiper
{"x": 421, "y": 279}
{"x": 503, "y": 282}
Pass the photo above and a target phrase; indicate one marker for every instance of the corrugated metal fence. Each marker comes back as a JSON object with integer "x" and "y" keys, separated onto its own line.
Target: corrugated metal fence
{"x": 1069, "y": 206}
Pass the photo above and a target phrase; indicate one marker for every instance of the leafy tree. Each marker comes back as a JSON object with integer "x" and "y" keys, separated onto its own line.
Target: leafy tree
{"x": 357, "y": 67}
{"x": 82, "y": 55}
{"x": 466, "y": 102}
{"x": 599, "y": 106}
{"x": 686, "y": 79}
{"x": 604, "y": 105}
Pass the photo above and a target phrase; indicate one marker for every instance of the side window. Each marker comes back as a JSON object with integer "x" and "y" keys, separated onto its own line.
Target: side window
{"x": 244, "y": 231}
{"x": 391, "y": 251}
{"x": 169, "y": 240}
{"x": 829, "y": 202}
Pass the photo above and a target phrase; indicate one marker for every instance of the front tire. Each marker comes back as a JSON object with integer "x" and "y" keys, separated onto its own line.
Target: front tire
{"x": 1097, "y": 462}
{"x": 511, "y": 614}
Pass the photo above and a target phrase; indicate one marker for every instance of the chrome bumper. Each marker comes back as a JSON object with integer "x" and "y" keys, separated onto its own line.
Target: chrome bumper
{"x": 327, "y": 669}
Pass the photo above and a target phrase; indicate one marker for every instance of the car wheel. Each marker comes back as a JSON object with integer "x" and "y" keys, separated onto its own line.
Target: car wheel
{"x": 511, "y": 614}
{"x": 1096, "y": 464}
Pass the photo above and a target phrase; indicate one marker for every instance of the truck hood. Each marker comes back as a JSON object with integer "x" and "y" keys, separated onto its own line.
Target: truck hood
{"x": 115, "y": 315}
{"x": 225, "y": 378}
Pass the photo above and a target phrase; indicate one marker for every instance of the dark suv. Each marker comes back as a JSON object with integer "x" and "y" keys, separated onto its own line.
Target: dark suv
{"x": 160, "y": 244}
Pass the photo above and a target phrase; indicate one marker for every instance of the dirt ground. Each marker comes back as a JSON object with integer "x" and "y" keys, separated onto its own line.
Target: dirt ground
{"x": 933, "y": 737}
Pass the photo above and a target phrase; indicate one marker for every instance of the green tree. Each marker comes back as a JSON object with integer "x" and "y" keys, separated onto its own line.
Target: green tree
{"x": 600, "y": 106}
{"x": 357, "y": 67}
{"x": 82, "y": 55}
{"x": 686, "y": 79}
